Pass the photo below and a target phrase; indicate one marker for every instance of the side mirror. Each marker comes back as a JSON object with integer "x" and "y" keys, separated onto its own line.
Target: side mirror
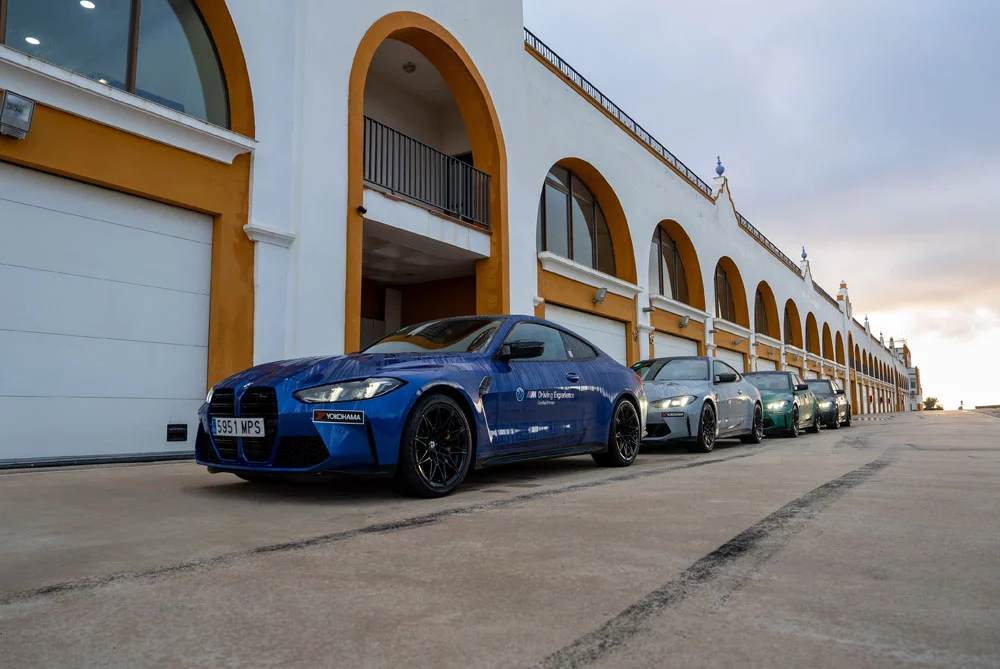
{"x": 802, "y": 386}
{"x": 520, "y": 350}
{"x": 725, "y": 378}
{"x": 840, "y": 391}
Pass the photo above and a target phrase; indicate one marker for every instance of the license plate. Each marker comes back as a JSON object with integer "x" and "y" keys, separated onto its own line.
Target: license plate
{"x": 237, "y": 427}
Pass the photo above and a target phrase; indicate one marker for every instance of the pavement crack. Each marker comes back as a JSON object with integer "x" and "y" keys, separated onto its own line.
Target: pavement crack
{"x": 757, "y": 543}
{"x": 422, "y": 520}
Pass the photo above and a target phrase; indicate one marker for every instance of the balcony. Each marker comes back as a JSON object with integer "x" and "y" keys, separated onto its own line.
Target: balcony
{"x": 403, "y": 166}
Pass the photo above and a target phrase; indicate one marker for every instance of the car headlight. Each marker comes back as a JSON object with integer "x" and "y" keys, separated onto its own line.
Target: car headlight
{"x": 348, "y": 391}
{"x": 673, "y": 402}
{"x": 777, "y": 406}
{"x": 825, "y": 405}
{"x": 208, "y": 397}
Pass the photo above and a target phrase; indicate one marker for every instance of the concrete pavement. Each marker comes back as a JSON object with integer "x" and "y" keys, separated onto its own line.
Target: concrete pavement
{"x": 870, "y": 546}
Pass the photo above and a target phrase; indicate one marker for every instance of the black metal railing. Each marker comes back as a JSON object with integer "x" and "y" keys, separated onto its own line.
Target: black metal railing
{"x": 539, "y": 47}
{"x": 828, "y": 296}
{"x": 767, "y": 243}
{"x": 404, "y": 166}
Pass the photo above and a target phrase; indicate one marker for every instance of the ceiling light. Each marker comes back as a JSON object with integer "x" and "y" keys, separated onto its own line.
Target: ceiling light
{"x": 34, "y": 41}
{"x": 409, "y": 67}
{"x": 87, "y": 4}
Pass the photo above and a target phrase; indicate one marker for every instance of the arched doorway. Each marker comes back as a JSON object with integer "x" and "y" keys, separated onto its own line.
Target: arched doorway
{"x": 460, "y": 159}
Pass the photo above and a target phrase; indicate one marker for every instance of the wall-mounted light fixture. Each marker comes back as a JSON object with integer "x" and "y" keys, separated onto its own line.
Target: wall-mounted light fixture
{"x": 409, "y": 67}
{"x": 602, "y": 292}
{"x": 739, "y": 340}
{"x": 712, "y": 332}
{"x": 648, "y": 310}
{"x": 770, "y": 351}
{"x": 362, "y": 209}
{"x": 685, "y": 321}
{"x": 16, "y": 112}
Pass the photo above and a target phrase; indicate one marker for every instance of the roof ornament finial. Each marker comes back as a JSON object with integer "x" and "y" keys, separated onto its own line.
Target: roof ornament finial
{"x": 804, "y": 254}
{"x": 719, "y": 168}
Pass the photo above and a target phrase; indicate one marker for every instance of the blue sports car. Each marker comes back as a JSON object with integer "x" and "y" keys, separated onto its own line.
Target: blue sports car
{"x": 425, "y": 404}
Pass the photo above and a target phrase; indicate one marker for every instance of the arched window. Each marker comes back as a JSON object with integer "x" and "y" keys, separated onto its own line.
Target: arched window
{"x": 159, "y": 50}
{"x": 725, "y": 304}
{"x": 760, "y": 315}
{"x": 789, "y": 335}
{"x": 666, "y": 269}
{"x": 571, "y": 224}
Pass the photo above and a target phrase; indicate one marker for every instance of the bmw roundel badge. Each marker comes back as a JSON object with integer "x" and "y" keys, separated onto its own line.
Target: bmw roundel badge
{"x": 519, "y": 394}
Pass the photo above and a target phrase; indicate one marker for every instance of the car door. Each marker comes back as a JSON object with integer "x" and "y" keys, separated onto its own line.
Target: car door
{"x": 727, "y": 396}
{"x": 535, "y": 403}
{"x": 806, "y": 401}
{"x": 587, "y": 373}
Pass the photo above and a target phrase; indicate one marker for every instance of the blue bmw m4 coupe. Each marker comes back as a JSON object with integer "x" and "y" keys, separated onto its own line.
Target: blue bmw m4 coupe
{"x": 426, "y": 404}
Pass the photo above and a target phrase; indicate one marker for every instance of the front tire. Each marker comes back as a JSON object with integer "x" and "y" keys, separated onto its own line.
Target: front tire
{"x": 847, "y": 419}
{"x": 435, "y": 451}
{"x": 835, "y": 423}
{"x": 624, "y": 436}
{"x": 794, "y": 432}
{"x": 707, "y": 427}
{"x": 757, "y": 431}
{"x": 814, "y": 428}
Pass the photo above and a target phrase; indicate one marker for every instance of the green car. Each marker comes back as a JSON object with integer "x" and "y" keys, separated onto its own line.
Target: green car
{"x": 789, "y": 405}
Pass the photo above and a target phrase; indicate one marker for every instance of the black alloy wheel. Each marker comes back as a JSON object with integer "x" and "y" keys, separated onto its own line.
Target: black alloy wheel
{"x": 623, "y": 439}
{"x": 814, "y": 428}
{"x": 847, "y": 418}
{"x": 707, "y": 427}
{"x": 835, "y": 423}
{"x": 757, "y": 430}
{"x": 794, "y": 432}
{"x": 436, "y": 448}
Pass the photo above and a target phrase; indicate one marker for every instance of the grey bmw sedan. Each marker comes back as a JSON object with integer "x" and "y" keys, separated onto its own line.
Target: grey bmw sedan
{"x": 699, "y": 400}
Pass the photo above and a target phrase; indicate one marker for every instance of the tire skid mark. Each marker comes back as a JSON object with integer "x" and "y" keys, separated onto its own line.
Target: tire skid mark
{"x": 757, "y": 544}
{"x": 198, "y": 564}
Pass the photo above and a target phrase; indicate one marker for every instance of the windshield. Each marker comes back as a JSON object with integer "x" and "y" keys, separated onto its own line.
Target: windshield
{"x": 769, "y": 381}
{"x": 820, "y": 387}
{"x": 450, "y": 335}
{"x": 678, "y": 369}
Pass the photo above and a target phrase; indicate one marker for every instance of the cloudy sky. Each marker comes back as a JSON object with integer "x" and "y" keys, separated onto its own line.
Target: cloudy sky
{"x": 866, "y": 130}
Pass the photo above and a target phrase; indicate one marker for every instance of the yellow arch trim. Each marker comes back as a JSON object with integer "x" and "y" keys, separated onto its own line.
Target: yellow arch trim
{"x": 770, "y": 309}
{"x": 739, "y": 290}
{"x": 812, "y": 335}
{"x": 220, "y": 26}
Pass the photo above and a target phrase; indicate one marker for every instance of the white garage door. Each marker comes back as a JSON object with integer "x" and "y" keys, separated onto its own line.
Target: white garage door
{"x": 666, "y": 345}
{"x": 103, "y": 319}
{"x": 810, "y": 374}
{"x": 733, "y": 358}
{"x": 604, "y": 333}
{"x": 765, "y": 365}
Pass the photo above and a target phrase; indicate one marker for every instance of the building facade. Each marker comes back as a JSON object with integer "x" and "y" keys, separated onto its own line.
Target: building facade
{"x": 207, "y": 185}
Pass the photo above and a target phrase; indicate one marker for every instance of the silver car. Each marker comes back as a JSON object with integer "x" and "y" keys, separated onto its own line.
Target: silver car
{"x": 699, "y": 400}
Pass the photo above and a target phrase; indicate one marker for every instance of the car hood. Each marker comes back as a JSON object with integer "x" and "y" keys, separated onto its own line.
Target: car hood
{"x": 774, "y": 395}
{"x": 307, "y": 372}
{"x": 657, "y": 390}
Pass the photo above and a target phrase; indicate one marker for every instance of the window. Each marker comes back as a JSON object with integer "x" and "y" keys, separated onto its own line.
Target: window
{"x": 450, "y": 335}
{"x": 577, "y": 348}
{"x": 766, "y": 381}
{"x": 723, "y": 368}
{"x": 159, "y": 50}
{"x": 571, "y": 223}
{"x": 789, "y": 335}
{"x": 677, "y": 369}
{"x": 725, "y": 304}
{"x": 555, "y": 350}
{"x": 760, "y": 315}
{"x": 666, "y": 269}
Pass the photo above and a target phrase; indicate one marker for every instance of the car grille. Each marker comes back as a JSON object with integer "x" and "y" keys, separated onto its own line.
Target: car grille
{"x": 224, "y": 406}
{"x": 260, "y": 403}
{"x": 300, "y": 452}
{"x": 203, "y": 447}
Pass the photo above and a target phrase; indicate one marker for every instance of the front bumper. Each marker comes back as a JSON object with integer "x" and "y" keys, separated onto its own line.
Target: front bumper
{"x": 294, "y": 442}
{"x": 777, "y": 421}
{"x": 830, "y": 415}
{"x": 664, "y": 425}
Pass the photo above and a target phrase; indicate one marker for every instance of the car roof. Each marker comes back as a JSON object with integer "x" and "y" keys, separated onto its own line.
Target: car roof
{"x": 775, "y": 372}
{"x": 676, "y": 357}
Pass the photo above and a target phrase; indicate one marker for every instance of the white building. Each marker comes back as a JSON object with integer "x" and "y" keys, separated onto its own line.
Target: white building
{"x": 208, "y": 185}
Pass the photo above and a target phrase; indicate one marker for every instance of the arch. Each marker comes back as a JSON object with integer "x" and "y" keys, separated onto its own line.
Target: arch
{"x": 827, "y": 342}
{"x": 220, "y": 26}
{"x": 871, "y": 365}
{"x": 852, "y": 354}
{"x": 839, "y": 349}
{"x": 689, "y": 260}
{"x": 614, "y": 214}
{"x": 812, "y": 335}
{"x": 489, "y": 152}
{"x": 729, "y": 287}
{"x": 571, "y": 218}
{"x": 765, "y": 309}
{"x": 792, "y": 326}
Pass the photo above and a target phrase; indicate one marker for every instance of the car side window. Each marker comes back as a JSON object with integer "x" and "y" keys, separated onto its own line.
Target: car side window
{"x": 555, "y": 349}
{"x": 723, "y": 368}
{"x": 796, "y": 381}
{"x": 577, "y": 348}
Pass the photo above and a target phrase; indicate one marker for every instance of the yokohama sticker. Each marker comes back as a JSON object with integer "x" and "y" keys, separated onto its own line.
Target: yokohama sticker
{"x": 344, "y": 417}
